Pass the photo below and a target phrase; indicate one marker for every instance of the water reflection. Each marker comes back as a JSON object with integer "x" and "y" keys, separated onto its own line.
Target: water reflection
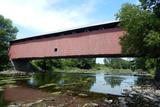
{"x": 114, "y": 80}
{"x": 77, "y": 83}
{"x": 112, "y": 84}
{"x": 99, "y": 83}
{"x": 62, "y": 81}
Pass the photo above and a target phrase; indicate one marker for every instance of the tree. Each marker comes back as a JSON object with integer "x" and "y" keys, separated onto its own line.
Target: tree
{"x": 141, "y": 24}
{"x": 7, "y": 33}
{"x": 117, "y": 63}
{"x": 151, "y": 5}
{"x": 50, "y": 64}
{"x": 142, "y": 35}
{"x": 84, "y": 63}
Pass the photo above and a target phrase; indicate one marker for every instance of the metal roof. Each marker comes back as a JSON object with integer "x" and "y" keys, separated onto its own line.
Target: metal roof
{"x": 72, "y": 31}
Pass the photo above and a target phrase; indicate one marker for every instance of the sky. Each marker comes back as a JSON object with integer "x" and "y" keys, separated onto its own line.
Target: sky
{"x": 36, "y": 17}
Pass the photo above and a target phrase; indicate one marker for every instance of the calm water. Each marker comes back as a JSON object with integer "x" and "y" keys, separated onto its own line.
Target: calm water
{"x": 77, "y": 83}
{"x": 99, "y": 83}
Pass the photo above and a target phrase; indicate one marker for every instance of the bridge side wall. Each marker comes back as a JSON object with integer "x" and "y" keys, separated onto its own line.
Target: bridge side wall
{"x": 94, "y": 43}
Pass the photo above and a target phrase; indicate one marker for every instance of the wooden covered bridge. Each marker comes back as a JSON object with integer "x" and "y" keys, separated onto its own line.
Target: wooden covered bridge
{"x": 100, "y": 40}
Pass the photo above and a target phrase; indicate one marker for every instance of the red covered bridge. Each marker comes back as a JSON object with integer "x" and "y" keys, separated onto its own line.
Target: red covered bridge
{"x": 96, "y": 40}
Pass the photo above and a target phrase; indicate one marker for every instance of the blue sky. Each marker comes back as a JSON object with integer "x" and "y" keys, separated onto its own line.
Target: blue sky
{"x": 35, "y": 17}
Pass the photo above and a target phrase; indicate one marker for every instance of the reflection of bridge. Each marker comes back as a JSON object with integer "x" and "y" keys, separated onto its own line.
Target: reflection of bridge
{"x": 96, "y": 40}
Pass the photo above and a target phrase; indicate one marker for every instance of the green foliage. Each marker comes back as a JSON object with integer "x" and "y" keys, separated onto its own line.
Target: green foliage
{"x": 7, "y": 33}
{"x": 151, "y": 5}
{"x": 140, "y": 63}
{"x": 117, "y": 63}
{"x": 142, "y": 36}
{"x": 148, "y": 4}
{"x": 47, "y": 64}
{"x": 152, "y": 40}
{"x": 50, "y": 64}
{"x": 84, "y": 63}
{"x": 142, "y": 30}
{"x": 144, "y": 63}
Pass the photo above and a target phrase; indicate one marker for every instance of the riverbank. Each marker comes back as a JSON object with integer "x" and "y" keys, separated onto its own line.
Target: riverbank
{"x": 145, "y": 96}
{"x": 101, "y": 69}
{"x": 15, "y": 91}
{"x": 105, "y": 70}
{"x": 70, "y": 89}
{"x": 13, "y": 72}
{"x": 26, "y": 97}
{"x": 142, "y": 96}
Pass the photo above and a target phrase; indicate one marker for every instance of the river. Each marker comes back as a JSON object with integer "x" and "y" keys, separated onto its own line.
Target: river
{"x": 76, "y": 82}
{"x": 98, "y": 83}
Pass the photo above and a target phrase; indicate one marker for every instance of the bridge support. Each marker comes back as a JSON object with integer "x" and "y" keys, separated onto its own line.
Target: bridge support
{"x": 157, "y": 74}
{"x": 22, "y": 65}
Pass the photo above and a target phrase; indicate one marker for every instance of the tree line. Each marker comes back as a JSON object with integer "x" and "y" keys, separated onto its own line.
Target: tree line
{"x": 62, "y": 63}
{"x": 90, "y": 63}
{"x": 8, "y": 32}
{"x": 142, "y": 38}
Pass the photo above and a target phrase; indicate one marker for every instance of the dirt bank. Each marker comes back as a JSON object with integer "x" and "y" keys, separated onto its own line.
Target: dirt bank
{"x": 23, "y": 96}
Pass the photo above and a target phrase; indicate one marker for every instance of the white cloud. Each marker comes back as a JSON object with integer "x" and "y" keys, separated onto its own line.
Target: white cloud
{"x": 39, "y": 16}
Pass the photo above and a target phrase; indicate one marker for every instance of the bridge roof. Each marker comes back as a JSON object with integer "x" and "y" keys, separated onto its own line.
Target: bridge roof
{"x": 71, "y": 31}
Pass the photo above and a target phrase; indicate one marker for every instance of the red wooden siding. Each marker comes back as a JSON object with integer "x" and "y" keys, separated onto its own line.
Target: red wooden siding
{"x": 93, "y": 43}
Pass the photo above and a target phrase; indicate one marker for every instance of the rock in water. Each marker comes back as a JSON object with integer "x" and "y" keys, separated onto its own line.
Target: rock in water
{"x": 90, "y": 105}
{"x": 108, "y": 101}
{"x": 82, "y": 95}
